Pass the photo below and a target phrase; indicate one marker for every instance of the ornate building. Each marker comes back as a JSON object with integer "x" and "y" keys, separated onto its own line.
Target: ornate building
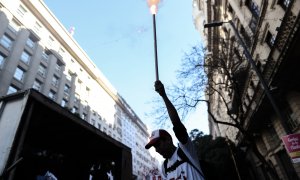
{"x": 255, "y": 89}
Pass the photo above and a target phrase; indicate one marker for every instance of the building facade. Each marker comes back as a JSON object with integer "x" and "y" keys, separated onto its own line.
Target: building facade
{"x": 259, "y": 101}
{"x": 36, "y": 51}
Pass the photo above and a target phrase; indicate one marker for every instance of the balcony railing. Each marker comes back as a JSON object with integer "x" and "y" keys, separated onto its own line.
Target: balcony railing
{"x": 253, "y": 7}
{"x": 246, "y": 37}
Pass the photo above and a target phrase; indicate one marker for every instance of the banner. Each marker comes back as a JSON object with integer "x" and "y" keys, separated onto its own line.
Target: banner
{"x": 292, "y": 146}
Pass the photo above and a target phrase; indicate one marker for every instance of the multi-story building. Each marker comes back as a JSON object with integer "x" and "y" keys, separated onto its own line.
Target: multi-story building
{"x": 135, "y": 137}
{"x": 261, "y": 99}
{"x": 36, "y": 51}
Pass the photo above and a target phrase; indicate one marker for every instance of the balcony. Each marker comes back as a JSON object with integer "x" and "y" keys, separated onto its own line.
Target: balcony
{"x": 240, "y": 76}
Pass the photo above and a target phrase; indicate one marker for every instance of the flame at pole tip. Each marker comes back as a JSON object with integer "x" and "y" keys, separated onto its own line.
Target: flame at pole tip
{"x": 153, "y": 9}
{"x": 153, "y": 5}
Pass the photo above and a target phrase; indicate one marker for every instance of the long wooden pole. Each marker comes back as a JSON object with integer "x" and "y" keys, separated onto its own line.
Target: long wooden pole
{"x": 155, "y": 47}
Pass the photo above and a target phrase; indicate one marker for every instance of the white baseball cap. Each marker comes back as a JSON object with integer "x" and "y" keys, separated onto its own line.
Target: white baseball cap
{"x": 156, "y": 135}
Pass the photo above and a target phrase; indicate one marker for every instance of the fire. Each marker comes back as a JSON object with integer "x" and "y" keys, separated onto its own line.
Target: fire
{"x": 153, "y": 5}
{"x": 153, "y": 9}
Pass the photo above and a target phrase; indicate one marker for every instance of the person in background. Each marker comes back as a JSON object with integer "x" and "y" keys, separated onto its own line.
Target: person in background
{"x": 180, "y": 162}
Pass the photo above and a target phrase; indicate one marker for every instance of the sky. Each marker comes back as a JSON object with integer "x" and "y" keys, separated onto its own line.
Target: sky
{"x": 118, "y": 37}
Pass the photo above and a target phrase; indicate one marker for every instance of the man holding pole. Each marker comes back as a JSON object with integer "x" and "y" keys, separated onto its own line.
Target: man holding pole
{"x": 180, "y": 162}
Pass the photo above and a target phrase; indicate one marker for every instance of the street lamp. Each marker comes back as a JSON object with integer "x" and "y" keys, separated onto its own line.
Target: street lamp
{"x": 153, "y": 9}
{"x": 253, "y": 65}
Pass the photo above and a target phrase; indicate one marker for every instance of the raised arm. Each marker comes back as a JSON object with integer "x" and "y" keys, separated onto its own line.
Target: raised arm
{"x": 178, "y": 127}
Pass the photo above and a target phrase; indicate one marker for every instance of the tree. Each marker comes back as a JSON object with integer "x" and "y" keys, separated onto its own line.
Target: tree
{"x": 219, "y": 157}
{"x": 203, "y": 78}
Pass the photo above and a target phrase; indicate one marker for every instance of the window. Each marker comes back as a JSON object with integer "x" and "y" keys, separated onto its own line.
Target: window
{"x": 253, "y": 23}
{"x": 52, "y": 94}
{"x": 67, "y": 89}
{"x": 12, "y": 89}
{"x": 2, "y": 60}
{"x": 45, "y": 56}
{"x": 253, "y": 7}
{"x": 74, "y": 110}
{"x": 6, "y": 41}
{"x": 84, "y": 116}
{"x": 21, "y": 11}
{"x": 85, "y": 105}
{"x": 69, "y": 76}
{"x": 50, "y": 41}
{"x": 61, "y": 51}
{"x": 259, "y": 66}
{"x": 19, "y": 74}
{"x": 25, "y": 57}
{"x": 64, "y": 103}
{"x": 37, "y": 27}
{"x": 270, "y": 39}
{"x": 58, "y": 68}
{"x": 273, "y": 137}
{"x": 292, "y": 122}
{"x": 42, "y": 70}
{"x": 284, "y": 3}
{"x": 119, "y": 121}
{"x": 30, "y": 43}
{"x": 37, "y": 85}
{"x": 77, "y": 99}
{"x": 93, "y": 122}
{"x": 55, "y": 81}
{"x": 14, "y": 26}
{"x": 247, "y": 38}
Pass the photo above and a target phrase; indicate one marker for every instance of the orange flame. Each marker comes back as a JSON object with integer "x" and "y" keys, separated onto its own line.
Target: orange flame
{"x": 153, "y": 9}
{"x": 153, "y": 5}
